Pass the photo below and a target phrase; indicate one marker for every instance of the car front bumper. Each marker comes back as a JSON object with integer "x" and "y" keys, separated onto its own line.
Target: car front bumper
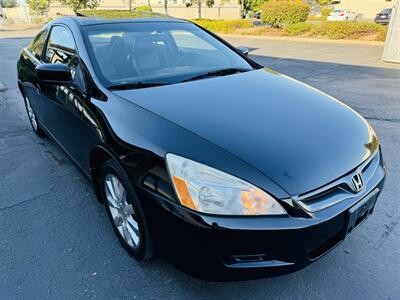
{"x": 244, "y": 247}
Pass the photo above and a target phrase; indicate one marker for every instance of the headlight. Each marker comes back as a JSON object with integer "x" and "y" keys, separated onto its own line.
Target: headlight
{"x": 208, "y": 190}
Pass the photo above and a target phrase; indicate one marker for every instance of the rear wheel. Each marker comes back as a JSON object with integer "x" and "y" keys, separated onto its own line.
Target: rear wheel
{"x": 33, "y": 119}
{"x": 124, "y": 211}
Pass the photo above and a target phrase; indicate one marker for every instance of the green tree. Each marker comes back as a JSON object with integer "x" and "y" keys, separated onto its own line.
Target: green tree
{"x": 8, "y": 3}
{"x": 254, "y": 5}
{"x": 76, "y": 5}
{"x": 38, "y": 7}
{"x": 323, "y": 3}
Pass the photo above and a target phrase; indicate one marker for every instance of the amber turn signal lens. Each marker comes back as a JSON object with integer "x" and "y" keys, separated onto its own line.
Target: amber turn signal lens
{"x": 183, "y": 193}
{"x": 254, "y": 202}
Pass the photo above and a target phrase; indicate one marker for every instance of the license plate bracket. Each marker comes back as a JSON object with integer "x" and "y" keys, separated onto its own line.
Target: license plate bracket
{"x": 361, "y": 210}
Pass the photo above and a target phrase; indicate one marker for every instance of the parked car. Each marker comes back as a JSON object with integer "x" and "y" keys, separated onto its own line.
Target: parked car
{"x": 200, "y": 155}
{"x": 383, "y": 17}
{"x": 342, "y": 15}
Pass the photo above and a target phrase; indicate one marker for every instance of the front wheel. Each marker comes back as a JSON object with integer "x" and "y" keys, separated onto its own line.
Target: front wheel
{"x": 33, "y": 119}
{"x": 124, "y": 211}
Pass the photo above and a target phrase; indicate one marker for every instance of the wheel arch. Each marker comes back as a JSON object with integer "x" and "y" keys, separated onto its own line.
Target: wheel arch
{"x": 98, "y": 155}
{"x": 21, "y": 89}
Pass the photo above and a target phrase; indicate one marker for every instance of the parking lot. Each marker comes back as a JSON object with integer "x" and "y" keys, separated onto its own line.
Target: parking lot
{"x": 56, "y": 241}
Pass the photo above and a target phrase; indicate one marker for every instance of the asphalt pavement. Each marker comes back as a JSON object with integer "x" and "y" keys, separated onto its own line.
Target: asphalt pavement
{"x": 56, "y": 241}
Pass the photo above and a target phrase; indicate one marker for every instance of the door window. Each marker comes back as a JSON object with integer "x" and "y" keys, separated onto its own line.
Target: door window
{"x": 61, "y": 49}
{"x": 61, "y": 46}
{"x": 37, "y": 45}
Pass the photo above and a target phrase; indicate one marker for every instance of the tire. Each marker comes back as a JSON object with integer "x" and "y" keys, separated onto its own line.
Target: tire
{"x": 35, "y": 124}
{"x": 125, "y": 211}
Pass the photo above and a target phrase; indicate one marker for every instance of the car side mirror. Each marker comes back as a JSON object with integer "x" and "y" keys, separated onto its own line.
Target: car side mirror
{"x": 55, "y": 74}
{"x": 243, "y": 50}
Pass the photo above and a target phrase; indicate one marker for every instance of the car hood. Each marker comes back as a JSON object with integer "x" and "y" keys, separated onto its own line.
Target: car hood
{"x": 298, "y": 136}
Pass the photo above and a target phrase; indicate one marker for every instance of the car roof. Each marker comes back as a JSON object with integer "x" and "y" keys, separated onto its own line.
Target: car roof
{"x": 134, "y": 17}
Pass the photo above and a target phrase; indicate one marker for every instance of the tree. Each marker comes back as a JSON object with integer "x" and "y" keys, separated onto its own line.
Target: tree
{"x": 199, "y": 8}
{"x": 39, "y": 7}
{"x": 323, "y": 3}
{"x": 76, "y": 5}
{"x": 198, "y": 2}
{"x": 8, "y": 3}
{"x": 210, "y": 3}
{"x": 253, "y": 5}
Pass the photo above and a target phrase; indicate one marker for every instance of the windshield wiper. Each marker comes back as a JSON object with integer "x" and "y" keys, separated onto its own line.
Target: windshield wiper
{"x": 221, "y": 72}
{"x": 135, "y": 85}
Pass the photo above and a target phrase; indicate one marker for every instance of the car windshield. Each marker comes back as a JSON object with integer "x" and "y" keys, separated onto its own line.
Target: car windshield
{"x": 143, "y": 54}
{"x": 386, "y": 11}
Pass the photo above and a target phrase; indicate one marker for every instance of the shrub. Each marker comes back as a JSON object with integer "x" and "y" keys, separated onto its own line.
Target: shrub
{"x": 346, "y": 30}
{"x": 115, "y": 13}
{"x": 297, "y": 29}
{"x": 260, "y": 31}
{"x": 381, "y": 35}
{"x": 326, "y": 11}
{"x": 228, "y": 26}
{"x": 279, "y": 13}
{"x": 331, "y": 30}
{"x": 316, "y": 18}
{"x": 143, "y": 8}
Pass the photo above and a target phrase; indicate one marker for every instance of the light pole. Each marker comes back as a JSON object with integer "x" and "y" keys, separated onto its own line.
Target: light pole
{"x": 199, "y": 2}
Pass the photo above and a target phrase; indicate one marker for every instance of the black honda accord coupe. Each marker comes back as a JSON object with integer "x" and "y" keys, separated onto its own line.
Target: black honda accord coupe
{"x": 226, "y": 169}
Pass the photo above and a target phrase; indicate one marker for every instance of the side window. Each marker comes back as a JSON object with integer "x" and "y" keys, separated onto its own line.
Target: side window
{"x": 60, "y": 46}
{"x": 61, "y": 49}
{"x": 37, "y": 45}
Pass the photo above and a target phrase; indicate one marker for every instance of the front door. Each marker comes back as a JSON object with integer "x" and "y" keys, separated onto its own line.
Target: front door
{"x": 63, "y": 106}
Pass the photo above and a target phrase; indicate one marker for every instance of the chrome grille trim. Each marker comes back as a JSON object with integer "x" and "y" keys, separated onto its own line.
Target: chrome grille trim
{"x": 341, "y": 189}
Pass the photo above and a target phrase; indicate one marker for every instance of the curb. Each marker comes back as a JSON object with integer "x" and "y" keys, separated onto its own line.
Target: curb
{"x": 298, "y": 39}
{"x": 18, "y": 34}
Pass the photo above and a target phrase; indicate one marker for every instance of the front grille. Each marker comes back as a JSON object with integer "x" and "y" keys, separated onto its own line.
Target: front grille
{"x": 371, "y": 172}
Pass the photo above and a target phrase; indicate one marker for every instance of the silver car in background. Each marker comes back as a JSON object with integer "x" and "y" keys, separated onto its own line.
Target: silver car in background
{"x": 342, "y": 15}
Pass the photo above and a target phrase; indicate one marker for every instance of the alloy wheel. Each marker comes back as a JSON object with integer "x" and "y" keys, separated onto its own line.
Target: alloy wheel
{"x": 31, "y": 114}
{"x": 122, "y": 212}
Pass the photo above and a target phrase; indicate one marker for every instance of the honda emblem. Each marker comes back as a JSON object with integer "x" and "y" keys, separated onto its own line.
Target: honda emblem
{"x": 358, "y": 183}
